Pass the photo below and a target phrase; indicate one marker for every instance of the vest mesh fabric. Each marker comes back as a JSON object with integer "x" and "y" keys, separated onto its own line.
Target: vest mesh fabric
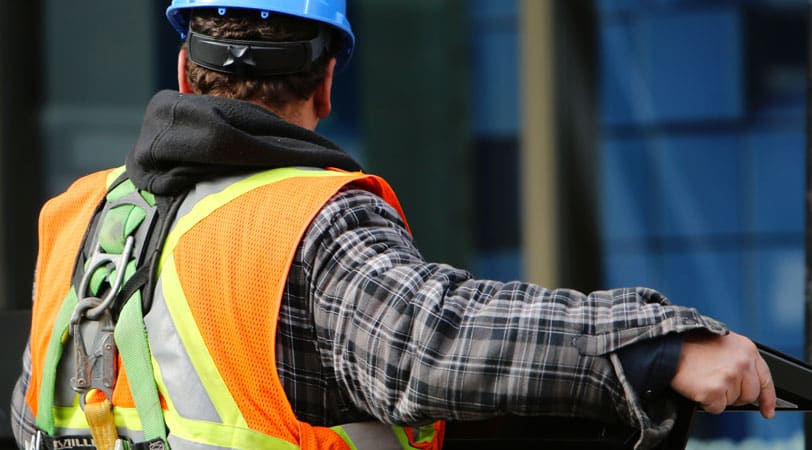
{"x": 62, "y": 224}
{"x": 233, "y": 266}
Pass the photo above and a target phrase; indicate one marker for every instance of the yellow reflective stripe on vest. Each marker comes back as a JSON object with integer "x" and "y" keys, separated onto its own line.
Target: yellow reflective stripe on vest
{"x": 340, "y": 431}
{"x": 179, "y": 310}
{"x": 402, "y": 437}
{"x": 195, "y": 347}
{"x": 206, "y": 206}
{"x": 373, "y": 436}
{"x": 73, "y": 417}
{"x": 114, "y": 174}
{"x": 233, "y": 432}
{"x": 218, "y": 434}
{"x": 225, "y": 434}
{"x": 221, "y": 435}
{"x": 426, "y": 433}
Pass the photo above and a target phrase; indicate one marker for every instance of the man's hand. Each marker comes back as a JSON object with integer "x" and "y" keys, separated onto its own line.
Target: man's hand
{"x": 717, "y": 371}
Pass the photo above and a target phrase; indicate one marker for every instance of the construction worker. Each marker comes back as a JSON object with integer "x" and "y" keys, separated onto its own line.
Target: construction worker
{"x": 240, "y": 283}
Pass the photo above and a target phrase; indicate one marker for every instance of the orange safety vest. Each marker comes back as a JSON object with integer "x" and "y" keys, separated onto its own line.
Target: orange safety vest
{"x": 212, "y": 326}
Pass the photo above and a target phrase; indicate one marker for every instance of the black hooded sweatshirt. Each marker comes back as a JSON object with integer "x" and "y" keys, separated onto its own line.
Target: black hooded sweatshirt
{"x": 187, "y": 138}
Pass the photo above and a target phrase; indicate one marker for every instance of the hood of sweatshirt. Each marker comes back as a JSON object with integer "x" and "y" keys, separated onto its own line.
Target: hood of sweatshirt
{"x": 188, "y": 138}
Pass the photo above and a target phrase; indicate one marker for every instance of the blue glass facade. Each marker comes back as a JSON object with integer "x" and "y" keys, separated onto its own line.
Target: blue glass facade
{"x": 703, "y": 155}
{"x": 495, "y": 127}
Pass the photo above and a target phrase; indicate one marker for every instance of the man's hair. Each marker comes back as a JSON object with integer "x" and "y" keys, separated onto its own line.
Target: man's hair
{"x": 246, "y": 24}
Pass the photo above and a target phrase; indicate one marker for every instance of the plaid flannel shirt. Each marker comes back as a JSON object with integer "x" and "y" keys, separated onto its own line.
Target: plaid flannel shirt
{"x": 369, "y": 329}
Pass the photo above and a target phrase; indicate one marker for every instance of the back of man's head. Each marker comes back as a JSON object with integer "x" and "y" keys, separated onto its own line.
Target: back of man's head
{"x": 249, "y": 25}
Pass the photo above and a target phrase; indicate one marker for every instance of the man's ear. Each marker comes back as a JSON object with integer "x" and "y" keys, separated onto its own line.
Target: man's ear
{"x": 321, "y": 98}
{"x": 183, "y": 82}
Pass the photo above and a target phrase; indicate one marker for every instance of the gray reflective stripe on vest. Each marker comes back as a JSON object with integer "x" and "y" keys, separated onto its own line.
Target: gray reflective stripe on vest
{"x": 370, "y": 436}
{"x": 183, "y": 384}
{"x": 176, "y": 443}
{"x": 182, "y": 381}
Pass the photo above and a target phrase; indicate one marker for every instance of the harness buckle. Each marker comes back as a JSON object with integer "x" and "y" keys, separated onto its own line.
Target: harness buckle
{"x": 95, "y": 364}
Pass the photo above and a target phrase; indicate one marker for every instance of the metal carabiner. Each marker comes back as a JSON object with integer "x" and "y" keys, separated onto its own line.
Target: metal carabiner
{"x": 98, "y": 260}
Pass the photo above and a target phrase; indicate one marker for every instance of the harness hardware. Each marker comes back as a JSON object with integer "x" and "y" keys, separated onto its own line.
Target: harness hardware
{"x": 97, "y": 261}
{"x": 95, "y": 364}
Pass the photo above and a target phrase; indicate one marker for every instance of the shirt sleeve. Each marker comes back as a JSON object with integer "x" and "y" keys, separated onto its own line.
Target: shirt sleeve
{"x": 412, "y": 341}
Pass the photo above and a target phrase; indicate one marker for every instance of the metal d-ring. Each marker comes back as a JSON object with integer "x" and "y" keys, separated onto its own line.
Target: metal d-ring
{"x": 98, "y": 260}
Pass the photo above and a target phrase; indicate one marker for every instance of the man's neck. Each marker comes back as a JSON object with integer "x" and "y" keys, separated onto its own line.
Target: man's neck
{"x": 298, "y": 113}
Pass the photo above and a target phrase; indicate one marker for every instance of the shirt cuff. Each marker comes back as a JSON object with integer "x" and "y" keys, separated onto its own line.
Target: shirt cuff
{"x": 650, "y": 365}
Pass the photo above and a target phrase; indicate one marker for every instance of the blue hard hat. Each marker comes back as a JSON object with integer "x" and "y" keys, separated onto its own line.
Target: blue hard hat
{"x": 330, "y": 12}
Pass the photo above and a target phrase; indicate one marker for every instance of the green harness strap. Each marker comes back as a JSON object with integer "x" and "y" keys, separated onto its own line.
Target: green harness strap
{"x": 133, "y": 346}
{"x": 120, "y": 220}
{"x": 59, "y": 336}
{"x": 125, "y": 211}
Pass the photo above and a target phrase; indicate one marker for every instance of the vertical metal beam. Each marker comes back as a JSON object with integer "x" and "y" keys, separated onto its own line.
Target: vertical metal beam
{"x": 20, "y": 87}
{"x": 3, "y": 140}
{"x": 538, "y": 142}
{"x": 20, "y": 68}
{"x": 576, "y": 150}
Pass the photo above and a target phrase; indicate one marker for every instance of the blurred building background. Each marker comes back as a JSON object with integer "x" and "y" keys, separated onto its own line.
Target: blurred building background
{"x": 584, "y": 144}
{"x": 703, "y": 126}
